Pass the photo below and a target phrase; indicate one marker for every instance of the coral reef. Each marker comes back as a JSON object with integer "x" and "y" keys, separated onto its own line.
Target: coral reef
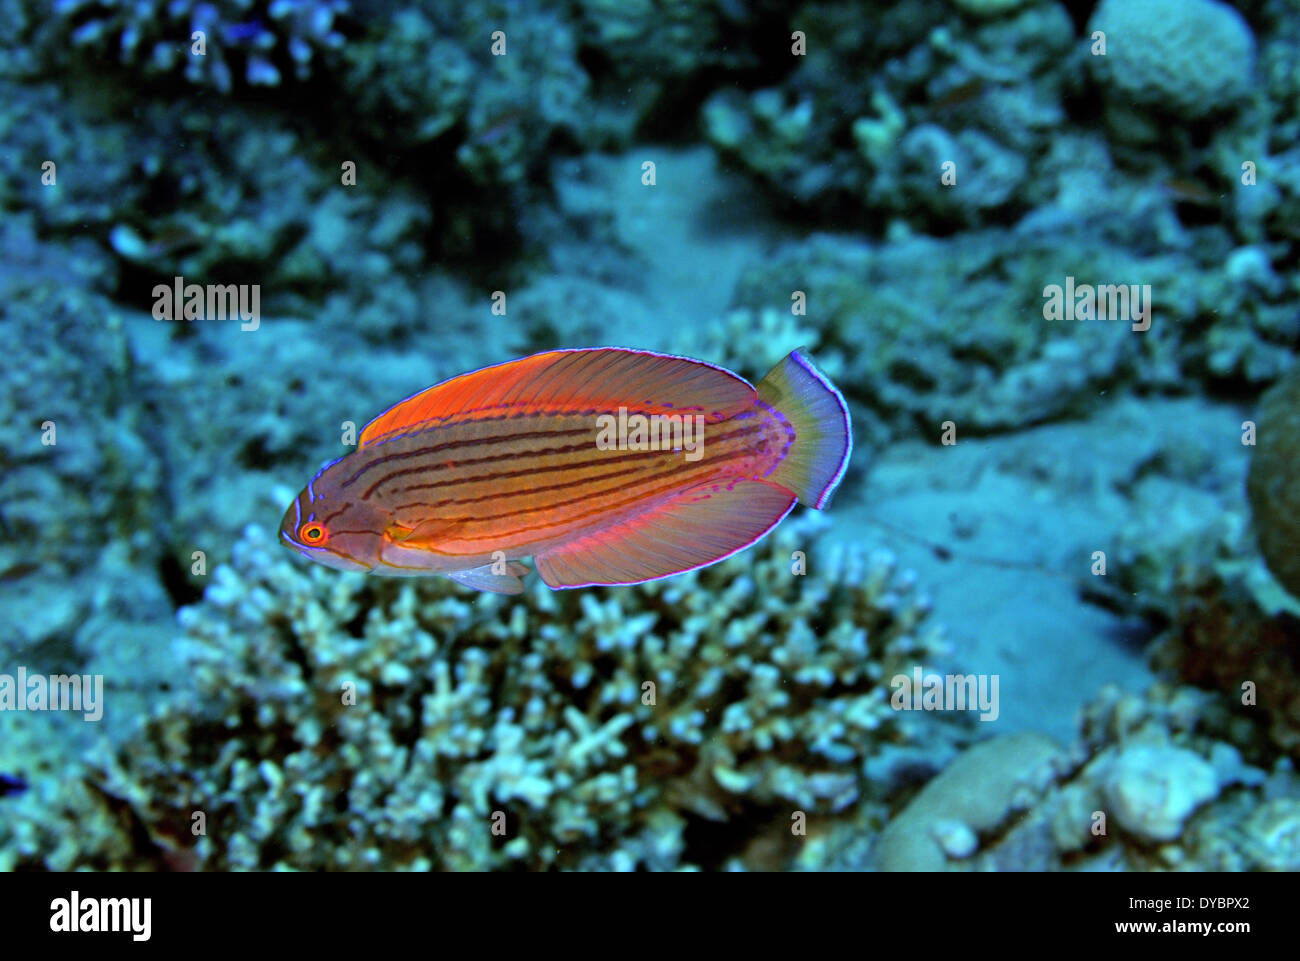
{"x": 914, "y": 177}
{"x": 60, "y": 822}
{"x": 74, "y": 440}
{"x": 668, "y": 727}
{"x": 912, "y": 88}
{"x": 1153, "y": 789}
{"x": 1186, "y": 517}
{"x": 218, "y": 224}
{"x": 1174, "y": 764}
{"x": 921, "y": 326}
{"x": 250, "y": 42}
{"x": 1154, "y": 782}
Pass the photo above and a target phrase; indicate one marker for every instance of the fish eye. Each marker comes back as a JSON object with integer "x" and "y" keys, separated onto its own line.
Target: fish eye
{"x": 313, "y": 533}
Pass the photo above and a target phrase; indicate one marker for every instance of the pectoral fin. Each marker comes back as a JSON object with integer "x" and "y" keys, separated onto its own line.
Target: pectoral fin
{"x": 483, "y": 579}
{"x": 425, "y": 533}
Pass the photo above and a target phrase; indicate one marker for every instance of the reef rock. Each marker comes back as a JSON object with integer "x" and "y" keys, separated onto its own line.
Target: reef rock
{"x": 1154, "y": 789}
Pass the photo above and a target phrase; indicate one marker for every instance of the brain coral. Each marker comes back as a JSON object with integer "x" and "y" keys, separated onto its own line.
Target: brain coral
{"x": 1190, "y": 57}
{"x": 769, "y": 694}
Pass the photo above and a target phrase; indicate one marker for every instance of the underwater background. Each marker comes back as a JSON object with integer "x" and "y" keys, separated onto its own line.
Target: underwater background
{"x": 1045, "y": 249}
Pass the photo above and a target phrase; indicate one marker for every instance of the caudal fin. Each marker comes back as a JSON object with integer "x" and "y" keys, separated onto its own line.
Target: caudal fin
{"x": 819, "y": 456}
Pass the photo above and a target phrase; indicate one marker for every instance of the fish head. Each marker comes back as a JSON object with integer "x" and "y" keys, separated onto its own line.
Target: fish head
{"x": 329, "y": 528}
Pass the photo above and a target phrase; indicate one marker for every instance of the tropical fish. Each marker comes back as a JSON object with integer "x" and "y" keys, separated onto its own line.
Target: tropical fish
{"x": 605, "y": 465}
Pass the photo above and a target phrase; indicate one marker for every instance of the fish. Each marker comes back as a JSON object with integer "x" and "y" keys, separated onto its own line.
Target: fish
{"x": 960, "y": 94}
{"x": 11, "y": 784}
{"x": 17, "y": 571}
{"x": 1191, "y": 191}
{"x": 605, "y": 465}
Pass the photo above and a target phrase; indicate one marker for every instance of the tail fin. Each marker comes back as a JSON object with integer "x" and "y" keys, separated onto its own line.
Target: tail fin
{"x": 817, "y": 459}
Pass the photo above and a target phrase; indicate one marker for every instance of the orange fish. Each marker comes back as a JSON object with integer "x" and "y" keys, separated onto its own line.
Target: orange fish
{"x": 605, "y": 465}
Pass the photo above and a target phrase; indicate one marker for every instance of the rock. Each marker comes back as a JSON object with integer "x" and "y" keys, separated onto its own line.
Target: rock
{"x": 975, "y": 793}
{"x": 1153, "y": 789}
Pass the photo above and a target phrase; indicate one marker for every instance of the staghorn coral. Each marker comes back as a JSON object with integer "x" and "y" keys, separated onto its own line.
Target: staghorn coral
{"x": 769, "y": 698}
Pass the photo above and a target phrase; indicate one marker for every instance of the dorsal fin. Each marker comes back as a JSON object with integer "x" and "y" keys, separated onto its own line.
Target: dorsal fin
{"x": 592, "y": 378}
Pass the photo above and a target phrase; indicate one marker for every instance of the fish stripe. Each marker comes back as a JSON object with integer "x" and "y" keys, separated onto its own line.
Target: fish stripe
{"x": 582, "y": 483}
{"x": 587, "y": 480}
{"x": 450, "y": 445}
{"x": 516, "y": 456}
{"x": 336, "y": 513}
{"x": 585, "y": 430}
{"x": 575, "y": 520}
{"x": 485, "y": 518}
{"x": 512, "y": 455}
{"x": 587, "y": 486}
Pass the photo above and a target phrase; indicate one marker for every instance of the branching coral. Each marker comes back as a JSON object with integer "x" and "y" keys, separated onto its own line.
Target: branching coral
{"x": 664, "y": 726}
{"x": 242, "y": 40}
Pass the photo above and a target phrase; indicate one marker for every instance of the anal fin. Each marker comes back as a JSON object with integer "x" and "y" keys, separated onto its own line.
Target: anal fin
{"x": 693, "y": 530}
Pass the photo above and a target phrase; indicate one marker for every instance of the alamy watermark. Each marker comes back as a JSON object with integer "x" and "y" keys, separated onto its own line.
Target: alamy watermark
{"x": 676, "y": 432}
{"x": 182, "y": 301}
{"x": 1128, "y": 302}
{"x": 75, "y": 914}
{"x": 53, "y": 692}
{"x": 946, "y": 692}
